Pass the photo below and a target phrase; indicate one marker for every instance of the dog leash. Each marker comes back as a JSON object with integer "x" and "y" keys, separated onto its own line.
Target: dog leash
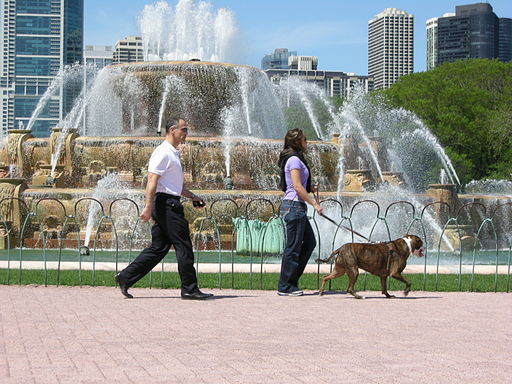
{"x": 344, "y": 227}
{"x": 335, "y": 223}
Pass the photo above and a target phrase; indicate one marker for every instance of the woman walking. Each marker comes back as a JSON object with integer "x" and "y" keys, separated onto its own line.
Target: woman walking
{"x": 296, "y": 185}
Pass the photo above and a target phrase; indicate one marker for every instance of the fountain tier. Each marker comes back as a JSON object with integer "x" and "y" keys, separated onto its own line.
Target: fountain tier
{"x": 138, "y": 98}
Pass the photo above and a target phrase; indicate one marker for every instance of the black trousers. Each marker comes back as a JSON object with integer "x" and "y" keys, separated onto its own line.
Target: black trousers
{"x": 170, "y": 229}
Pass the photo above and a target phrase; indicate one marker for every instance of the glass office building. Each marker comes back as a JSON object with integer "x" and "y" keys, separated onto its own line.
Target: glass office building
{"x": 39, "y": 38}
{"x": 505, "y": 40}
{"x": 278, "y": 59}
{"x": 474, "y": 32}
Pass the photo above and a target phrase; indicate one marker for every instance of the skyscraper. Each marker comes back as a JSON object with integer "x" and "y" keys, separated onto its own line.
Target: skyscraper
{"x": 432, "y": 25}
{"x": 39, "y": 38}
{"x": 473, "y": 32}
{"x": 390, "y": 46}
{"x": 505, "y": 39}
{"x": 432, "y": 42}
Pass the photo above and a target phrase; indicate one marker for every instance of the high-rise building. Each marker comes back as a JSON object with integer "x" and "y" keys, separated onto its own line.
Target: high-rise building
{"x": 432, "y": 40}
{"x": 505, "y": 39}
{"x": 129, "y": 50}
{"x": 473, "y": 32}
{"x": 278, "y": 59}
{"x": 303, "y": 63}
{"x": 98, "y": 55}
{"x": 390, "y": 46}
{"x": 38, "y": 39}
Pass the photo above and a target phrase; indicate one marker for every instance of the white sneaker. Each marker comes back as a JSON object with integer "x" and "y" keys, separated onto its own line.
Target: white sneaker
{"x": 294, "y": 293}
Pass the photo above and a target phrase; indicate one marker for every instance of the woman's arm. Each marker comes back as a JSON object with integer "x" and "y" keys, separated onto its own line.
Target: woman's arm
{"x": 301, "y": 191}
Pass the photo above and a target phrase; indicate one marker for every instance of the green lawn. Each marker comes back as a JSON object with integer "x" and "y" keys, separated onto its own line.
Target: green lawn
{"x": 503, "y": 257}
{"x": 72, "y": 255}
{"x": 267, "y": 281}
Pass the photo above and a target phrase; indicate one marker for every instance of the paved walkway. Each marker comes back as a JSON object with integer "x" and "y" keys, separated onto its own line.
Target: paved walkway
{"x": 93, "y": 335}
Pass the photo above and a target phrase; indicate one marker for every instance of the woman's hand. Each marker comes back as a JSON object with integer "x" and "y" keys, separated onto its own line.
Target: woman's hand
{"x": 318, "y": 208}
{"x": 316, "y": 205}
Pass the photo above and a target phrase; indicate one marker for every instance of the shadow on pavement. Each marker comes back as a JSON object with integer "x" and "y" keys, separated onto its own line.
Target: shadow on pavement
{"x": 330, "y": 293}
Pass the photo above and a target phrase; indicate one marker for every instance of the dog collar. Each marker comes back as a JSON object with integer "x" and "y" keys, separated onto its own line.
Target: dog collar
{"x": 408, "y": 241}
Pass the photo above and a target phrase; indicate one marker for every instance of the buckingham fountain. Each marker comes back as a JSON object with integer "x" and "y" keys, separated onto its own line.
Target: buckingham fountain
{"x": 380, "y": 169}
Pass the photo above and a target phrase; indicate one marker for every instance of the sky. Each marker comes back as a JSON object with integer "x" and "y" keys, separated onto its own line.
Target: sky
{"x": 335, "y": 31}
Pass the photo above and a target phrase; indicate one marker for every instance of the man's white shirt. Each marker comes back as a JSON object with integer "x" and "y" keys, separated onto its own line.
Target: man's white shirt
{"x": 165, "y": 162}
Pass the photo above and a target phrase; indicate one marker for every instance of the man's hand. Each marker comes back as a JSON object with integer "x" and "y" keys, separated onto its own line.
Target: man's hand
{"x": 198, "y": 202}
{"x": 146, "y": 214}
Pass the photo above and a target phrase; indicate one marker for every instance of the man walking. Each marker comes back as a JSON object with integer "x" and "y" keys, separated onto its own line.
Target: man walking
{"x": 163, "y": 191}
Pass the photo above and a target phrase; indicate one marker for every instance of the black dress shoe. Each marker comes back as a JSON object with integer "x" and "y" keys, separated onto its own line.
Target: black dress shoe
{"x": 197, "y": 295}
{"x": 123, "y": 286}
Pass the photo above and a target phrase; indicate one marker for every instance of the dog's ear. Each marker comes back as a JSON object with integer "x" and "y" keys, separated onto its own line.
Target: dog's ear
{"x": 418, "y": 243}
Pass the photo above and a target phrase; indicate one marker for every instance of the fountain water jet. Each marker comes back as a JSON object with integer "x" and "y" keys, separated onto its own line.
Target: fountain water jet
{"x": 189, "y": 31}
{"x": 65, "y": 76}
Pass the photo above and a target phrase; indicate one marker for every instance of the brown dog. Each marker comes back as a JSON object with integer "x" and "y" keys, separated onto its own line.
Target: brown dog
{"x": 381, "y": 259}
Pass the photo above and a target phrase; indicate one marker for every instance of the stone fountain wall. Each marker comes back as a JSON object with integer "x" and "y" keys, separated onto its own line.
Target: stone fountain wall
{"x": 85, "y": 160}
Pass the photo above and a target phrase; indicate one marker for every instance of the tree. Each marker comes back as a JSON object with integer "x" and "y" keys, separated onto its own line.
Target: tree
{"x": 467, "y": 104}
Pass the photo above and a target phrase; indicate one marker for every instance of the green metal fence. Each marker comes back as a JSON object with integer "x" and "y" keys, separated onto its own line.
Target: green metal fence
{"x": 233, "y": 233}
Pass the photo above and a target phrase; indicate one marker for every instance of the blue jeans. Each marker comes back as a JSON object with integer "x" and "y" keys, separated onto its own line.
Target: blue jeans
{"x": 300, "y": 243}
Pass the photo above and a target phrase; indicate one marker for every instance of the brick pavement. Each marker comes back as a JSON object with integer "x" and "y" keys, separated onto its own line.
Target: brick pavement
{"x": 93, "y": 335}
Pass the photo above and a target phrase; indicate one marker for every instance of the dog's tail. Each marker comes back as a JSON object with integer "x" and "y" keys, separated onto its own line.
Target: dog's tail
{"x": 327, "y": 260}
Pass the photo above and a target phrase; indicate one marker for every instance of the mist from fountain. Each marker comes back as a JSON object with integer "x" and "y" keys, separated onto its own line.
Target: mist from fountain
{"x": 398, "y": 220}
{"x": 298, "y": 92}
{"x": 111, "y": 102}
{"x": 256, "y": 111}
{"x": 340, "y": 166}
{"x": 349, "y": 115}
{"x": 167, "y": 87}
{"x": 95, "y": 101}
{"x": 102, "y": 105}
{"x": 108, "y": 189}
{"x": 442, "y": 177}
{"x": 227, "y": 141}
{"x": 171, "y": 84}
{"x": 66, "y": 77}
{"x": 244, "y": 93}
{"x": 76, "y": 116}
{"x": 490, "y": 187}
{"x": 410, "y": 146}
{"x": 191, "y": 30}
{"x": 432, "y": 140}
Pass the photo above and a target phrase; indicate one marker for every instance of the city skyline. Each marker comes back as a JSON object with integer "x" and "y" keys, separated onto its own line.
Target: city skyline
{"x": 37, "y": 43}
{"x": 338, "y": 37}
